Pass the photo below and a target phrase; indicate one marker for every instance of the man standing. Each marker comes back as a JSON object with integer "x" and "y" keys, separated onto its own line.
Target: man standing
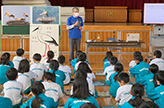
{"x": 74, "y": 25}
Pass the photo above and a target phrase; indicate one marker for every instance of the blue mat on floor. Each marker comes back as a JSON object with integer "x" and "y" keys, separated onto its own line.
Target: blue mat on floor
{"x": 109, "y": 107}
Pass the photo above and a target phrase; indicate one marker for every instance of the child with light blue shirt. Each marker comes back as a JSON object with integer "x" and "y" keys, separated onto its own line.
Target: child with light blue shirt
{"x": 157, "y": 95}
{"x": 4, "y": 66}
{"x": 137, "y": 92}
{"x": 60, "y": 76}
{"x": 40, "y": 100}
{"x": 139, "y": 70}
{"x": 112, "y": 82}
{"x": 108, "y": 55}
{"x": 150, "y": 80}
{"x": 80, "y": 95}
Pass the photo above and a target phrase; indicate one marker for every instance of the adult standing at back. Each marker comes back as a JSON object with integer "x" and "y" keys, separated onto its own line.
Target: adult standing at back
{"x": 74, "y": 25}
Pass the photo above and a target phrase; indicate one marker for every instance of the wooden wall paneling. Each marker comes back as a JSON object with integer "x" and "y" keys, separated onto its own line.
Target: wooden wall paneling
{"x": 135, "y": 15}
{"x": 26, "y": 44}
{"x": 88, "y": 15}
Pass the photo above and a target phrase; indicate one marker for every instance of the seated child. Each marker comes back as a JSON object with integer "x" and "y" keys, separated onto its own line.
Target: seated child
{"x": 148, "y": 104}
{"x": 109, "y": 54}
{"x": 74, "y": 61}
{"x": 150, "y": 80}
{"x": 39, "y": 100}
{"x": 112, "y": 82}
{"x": 137, "y": 92}
{"x": 52, "y": 89}
{"x": 5, "y": 102}
{"x": 157, "y": 95}
{"x": 38, "y": 68}
{"x": 133, "y": 63}
{"x": 158, "y": 60}
{"x": 18, "y": 58}
{"x": 4, "y": 66}
{"x": 10, "y": 62}
{"x": 12, "y": 88}
{"x": 110, "y": 69}
{"x": 50, "y": 56}
{"x": 60, "y": 76}
{"x": 82, "y": 58}
{"x": 25, "y": 76}
{"x": 123, "y": 92}
{"x": 139, "y": 70}
{"x": 66, "y": 69}
{"x": 80, "y": 95}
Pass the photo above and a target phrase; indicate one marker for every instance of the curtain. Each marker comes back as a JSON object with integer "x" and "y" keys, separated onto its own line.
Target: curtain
{"x": 89, "y": 4}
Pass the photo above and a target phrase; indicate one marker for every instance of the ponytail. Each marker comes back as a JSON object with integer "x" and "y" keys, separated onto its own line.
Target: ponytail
{"x": 154, "y": 69}
{"x": 136, "y": 102}
{"x": 155, "y": 80}
{"x": 4, "y": 59}
{"x": 54, "y": 65}
{"x": 118, "y": 68}
{"x": 36, "y": 102}
{"x": 37, "y": 88}
{"x": 50, "y": 55}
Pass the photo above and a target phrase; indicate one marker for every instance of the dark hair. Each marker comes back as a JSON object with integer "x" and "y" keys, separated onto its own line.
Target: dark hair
{"x": 37, "y": 88}
{"x": 50, "y": 55}
{"x": 137, "y": 90}
{"x": 158, "y": 54}
{"x": 160, "y": 77}
{"x": 80, "y": 74}
{"x": 149, "y": 104}
{"x": 123, "y": 77}
{"x": 7, "y": 54}
{"x": 54, "y": 65}
{"x": 88, "y": 105}
{"x": 83, "y": 66}
{"x": 4, "y": 59}
{"x": 113, "y": 60}
{"x": 154, "y": 69}
{"x": 80, "y": 89}
{"x": 20, "y": 52}
{"x": 139, "y": 58}
{"x": 49, "y": 76}
{"x": 78, "y": 53}
{"x": 118, "y": 68}
{"x": 108, "y": 55}
{"x": 24, "y": 66}
{"x": 12, "y": 74}
{"x": 37, "y": 57}
{"x": 137, "y": 53}
{"x": 82, "y": 57}
{"x": 75, "y": 8}
{"x": 61, "y": 59}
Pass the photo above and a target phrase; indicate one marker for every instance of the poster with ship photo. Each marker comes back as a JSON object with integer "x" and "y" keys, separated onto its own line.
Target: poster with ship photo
{"x": 46, "y": 15}
{"x": 44, "y": 38}
{"x": 15, "y": 20}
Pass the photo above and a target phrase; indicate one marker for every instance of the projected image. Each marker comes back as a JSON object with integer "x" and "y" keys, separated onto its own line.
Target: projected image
{"x": 46, "y": 15}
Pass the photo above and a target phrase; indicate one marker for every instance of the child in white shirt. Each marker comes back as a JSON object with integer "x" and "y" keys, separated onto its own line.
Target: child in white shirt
{"x": 110, "y": 69}
{"x": 12, "y": 88}
{"x": 38, "y": 68}
{"x": 50, "y": 56}
{"x": 133, "y": 63}
{"x": 25, "y": 76}
{"x": 82, "y": 58}
{"x": 52, "y": 89}
{"x": 18, "y": 58}
{"x": 65, "y": 69}
{"x": 123, "y": 92}
{"x": 158, "y": 60}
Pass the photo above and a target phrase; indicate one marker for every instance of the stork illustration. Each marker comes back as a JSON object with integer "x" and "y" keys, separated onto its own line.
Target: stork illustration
{"x": 25, "y": 15}
{"x": 9, "y": 15}
{"x": 45, "y": 39}
{"x": 44, "y": 13}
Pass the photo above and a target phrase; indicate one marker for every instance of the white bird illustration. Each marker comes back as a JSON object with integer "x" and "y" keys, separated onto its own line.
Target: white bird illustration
{"x": 45, "y": 39}
{"x": 25, "y": 15}
{"x": 9, "y": 15}
{"x": 44, "y": 13}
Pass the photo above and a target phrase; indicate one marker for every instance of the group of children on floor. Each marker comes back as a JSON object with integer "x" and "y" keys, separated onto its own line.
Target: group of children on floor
{"x": 148, "y": 77}
{"x": 44, "y": 83}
